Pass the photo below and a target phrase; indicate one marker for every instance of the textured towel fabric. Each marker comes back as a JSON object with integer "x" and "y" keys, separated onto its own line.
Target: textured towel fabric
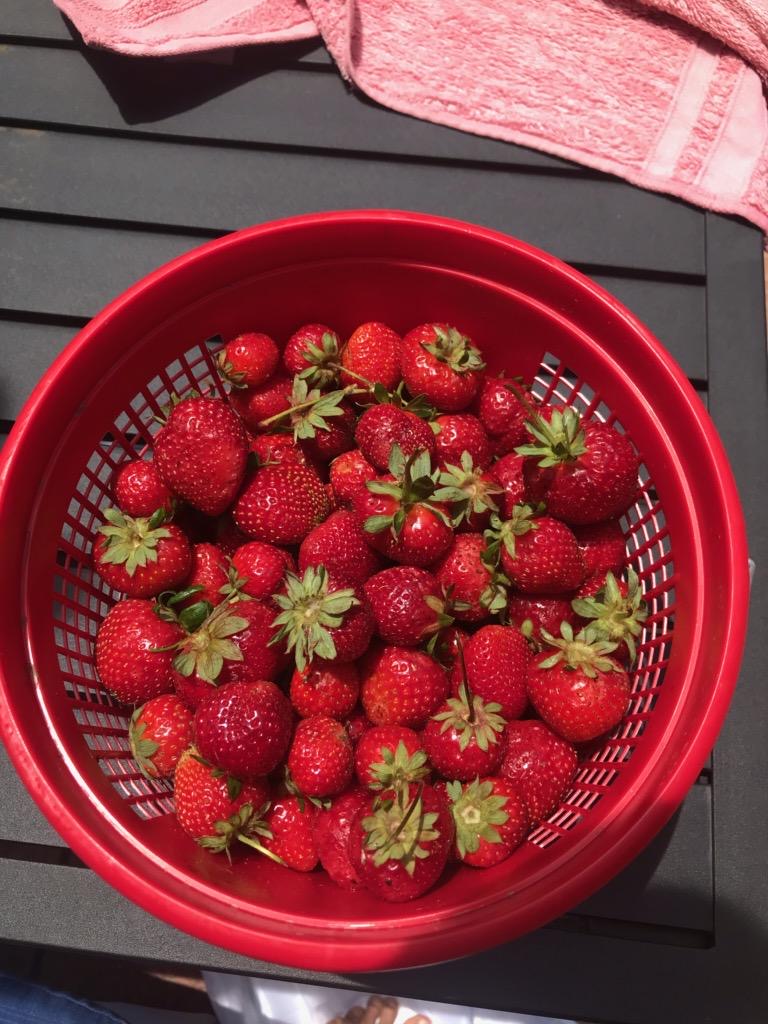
{"x": 617, "y": 85}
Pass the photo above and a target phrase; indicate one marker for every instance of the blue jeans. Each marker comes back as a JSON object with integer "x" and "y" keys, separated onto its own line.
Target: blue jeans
{"x": 23, "y": 1002}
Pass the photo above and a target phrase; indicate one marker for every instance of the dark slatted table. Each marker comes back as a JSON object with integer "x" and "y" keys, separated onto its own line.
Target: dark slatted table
{"x": 110, "y": 166}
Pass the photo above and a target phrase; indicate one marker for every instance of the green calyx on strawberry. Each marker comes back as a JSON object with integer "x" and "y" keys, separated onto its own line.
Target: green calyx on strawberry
{"x": 453, "y": 348}
{"x": 476, "y": 811}
{"x": 233, "y": 588}
{"x": 203, "y": 651}
{"x": 559, "y": 440}
{"x": 132, "y": 542}
{"x": 245, "y": 825}
{"x": 615, "y": 616}
{"x": 584, "y": 652}
{"x": 396, "y": 829}
{"x": 471, "y": 718}
{"x": 309, "y": 410}
{"x": 323, "y": 360}
{"x": 398, "y": 768}
{"x": 225, "y": 367}
{"x": 142, "y": 747}
{"x": 310, "y": 609}
{"x": 321, "y": 803}
{"x": 504, "y": 532}
{"x": 414, "y": 484}
{"x": 468, "y": 490}
{"x": 419, "y": 405}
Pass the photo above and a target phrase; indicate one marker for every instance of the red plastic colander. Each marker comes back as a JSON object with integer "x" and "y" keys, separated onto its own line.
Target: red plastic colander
{"x": 530, "y": 314}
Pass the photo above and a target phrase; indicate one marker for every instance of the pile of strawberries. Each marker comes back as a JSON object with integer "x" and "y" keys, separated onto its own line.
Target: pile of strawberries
{"x": 374, "y": 602}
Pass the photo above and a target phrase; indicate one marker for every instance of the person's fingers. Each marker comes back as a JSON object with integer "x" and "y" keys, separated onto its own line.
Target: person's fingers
{"x": 336, "y": 1020}
{"x": 418, "y": 1019}
{"x": 388, "y": 1011}
{"x": 354, "y": 1015}
{"x": 372, "y": 1011}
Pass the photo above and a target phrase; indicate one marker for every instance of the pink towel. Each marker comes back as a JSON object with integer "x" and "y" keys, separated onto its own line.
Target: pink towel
{"x": 617, "y": 85}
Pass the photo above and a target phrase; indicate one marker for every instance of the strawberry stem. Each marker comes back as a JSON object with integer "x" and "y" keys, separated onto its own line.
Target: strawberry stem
{"x": 350, "y": 389}
{"x": 261, "y": 849}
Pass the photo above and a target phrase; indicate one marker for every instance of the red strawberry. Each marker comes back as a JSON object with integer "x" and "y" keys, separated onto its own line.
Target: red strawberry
{"x": 373, "y": 353}
{"x": 459, "y": 433}
{"x": 192, "y": 690}
{"x": 496, "y": 660}
{"x": 159, "y": 733}
{"x": 211, "y": 806}
{"x": 602, "y": 547}
{"x": 325, "y": 688}
{"x": 539, "y": 554}
{"x": 470, "y": 493}
{"x": 439, "y": 362}
{"x": 578, "y": 689}
{"x": 584, "y": 471}
{"x": 357, "y": 725}
{"x": 614, "y": 610}
{"x": 320, "y": 619}
{"x": 139, "y": 491}
{"x": 245, "y": 728}
{"x": 141, "y": 557}
{"x": 209, "y": 571}
{"x": 340, "y": 545}
{"x": 508, "y": 473}
{"x": 540, "y": 764}
{"x": 402, "y": 686}
{"x": 277, "y": 449}
{"x": 491, "y": 820}
{"x": 248, "y": 360}
{"x": 337, "y": 438}
{"x": 474, "y": 591}
{"x": 463, "y": 740}
{"x": 228, "y": 536}
{"x": 532, "y": 613}
{"x": 281, "y": 504}
{"x": 450, "y": 643}
{"x": 320, "y": 760}
{"x": 332, "y": 830}
{"x": 407, "y": 604}
{"x": 399, "y": 844}
{"x": 130, "y": 660}
{"x": 254, "y": 405}
{"x": 389, "y": 756}
{"x": 500, "y": 409}
{"x": 201, "y": 452}
{"x": 350, "y": 472}
{"x": 261, "y": 567}
{"x": 313, "y": 350}
{"x": 382, "y": 427}
{"x": 291, "y": 824}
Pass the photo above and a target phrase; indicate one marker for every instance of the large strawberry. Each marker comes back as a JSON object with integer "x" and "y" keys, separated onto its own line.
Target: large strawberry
{"x": 389, "y": 757}
{"x": 584, "y": 471}
{"x": 313, "y": 352}
{"x": 603, "y": 547}
{"x": 439, "y": 362}
{"x": 320, "y": 619}
{"x": 577, "y": 687}
{"x": 531, "y": 613}
{"x": 248, "y": 360}
{"x": 500, "y": 408}
{"x": 332, "y": 828}
{"x": 382, "y": 427}
{"x": 496, "y": 659}
{"x": 290, "y": 822}
{"x": 399, "y": 843}
{"x": 141, "y": 557}
{"x": 372, "y": 354}
{"x": 259, "y": 569}
{"x": 339, "y": 543}
{"x": 491, "y": 820}
{"x": 539, "y": 554}
{"x": 245, "y": 728}
{"x": 257, "y": 405}
{"x": 408, "y": 605}
{"x": 615, "y": 611}
{"x": 476, "y": 591}
{"x": 463, "y": 739}
{"x": 320, "y": 759}
{"x": 139, "y": 491}
{"x": 134, "y": 657}
{"x": 471, "y": 494}
{"x": 458, "y": 433}
{"x": 281, "y": 504}
{"x": 209, "y": 572}
{"x": 201, "y": 453}
{"x": 540, "y": 764}
{"x": 159, "y": 733}
{"x": 348, "y": 473}
{"x": 325, "y": 688}
{"x": 402, "y": 686}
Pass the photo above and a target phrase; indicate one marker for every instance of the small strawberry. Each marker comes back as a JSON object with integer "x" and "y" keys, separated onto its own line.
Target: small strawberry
{"x": 159, "y": 733}
{"x": 356, "y": 725}
{"x": 228, "y": 537}
{"x": 584, "y": 471}
{"x": 259, "y": 569}
{"x": 501, "y": 410}
{"x": 460, "y": 433}
{"x": 539, "y": 554}
{"x": 201, "y": 452}
{"x": 209, "y": 572}
{"x": 141, "y": 557}
{"x": 277, "y": 450}
{"x": 255, "y": 405}
{"x": 449, "y": 646}
{"x": 313, "y": 352}
{"x": 463, "y": 740}
{"x": 399, "y": 843}
{"x": 382, "y": 427}
{"x": 290, "y": 822}
{"x": 408, "y": 605}
{"x": 325, "y": 688}
{"x": 603, "y": 547}
{"x": 332, "y": 829}
{"x": 192, "y": 690}
{"x": 508, "y": 473}
{"x": 540, "y": 764}
{"x": 281, "y": 504}
{"x": 337, "y": 438}
{"x": 139, "y": 491}
{"x": 350, "y": 472}
{"x": 579, "y": 690}
{"x": 339, "y": 543}
{"x": 249, "y": 360}
{"x": 373, "y": 354}
{"x": 402, "y": 686}
{"x": 470, "y": 493}
{"x": 476, "y": 591}
{"x": 134, "y": 658}
{"x": 439, "y": 362}
{"x": 614, "y": 610}
{"x": 320, "y": 759}
{"x": 491, "y": 820}
{"x": 245, "y": 728}
{"x": 531, "y": 613}
{"x": 496, "y": 659}
{"x": 320, "y": 619}
{"x": 260, "y": 657}
{"x": 389, "y": 757}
